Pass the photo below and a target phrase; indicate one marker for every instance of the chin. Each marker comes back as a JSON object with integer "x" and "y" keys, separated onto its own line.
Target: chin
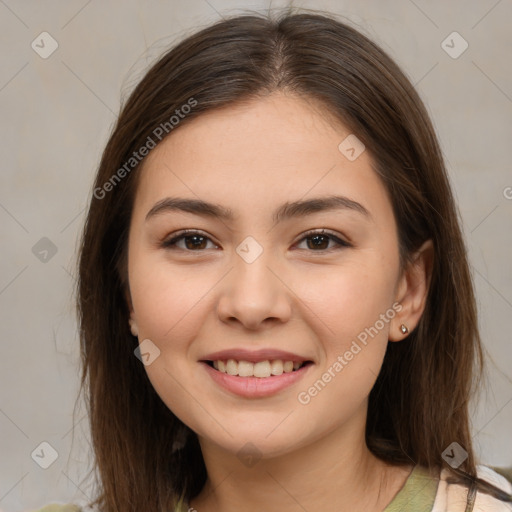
{"x": 250, "y": 446}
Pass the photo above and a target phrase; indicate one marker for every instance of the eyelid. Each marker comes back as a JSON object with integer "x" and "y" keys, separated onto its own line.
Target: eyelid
{"x": 340, "y": 240}
{"x": 169, "y": 242}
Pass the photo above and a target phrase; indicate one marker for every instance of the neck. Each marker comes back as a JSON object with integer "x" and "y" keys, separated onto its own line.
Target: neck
{"x": 335, "y": 473}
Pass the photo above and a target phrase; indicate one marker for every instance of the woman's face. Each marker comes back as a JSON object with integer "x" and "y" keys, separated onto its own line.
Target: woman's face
{"x": 251, "y": 284}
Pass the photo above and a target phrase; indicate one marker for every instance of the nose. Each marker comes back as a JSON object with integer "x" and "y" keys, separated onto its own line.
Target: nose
{"x": 254, "y": 295}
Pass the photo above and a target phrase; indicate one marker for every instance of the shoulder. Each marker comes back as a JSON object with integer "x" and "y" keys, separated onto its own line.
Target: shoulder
{"x": 454, "y": 497}
{"x": 55, "y": 507}
{"x": 486, "y": 502}
{"x": 499, "y": 476}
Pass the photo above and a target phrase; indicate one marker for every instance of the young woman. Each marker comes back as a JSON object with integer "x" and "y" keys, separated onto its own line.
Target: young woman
{"x": 275, "y": 304}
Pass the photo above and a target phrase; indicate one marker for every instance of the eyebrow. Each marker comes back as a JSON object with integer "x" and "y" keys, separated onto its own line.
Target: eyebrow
{"x": 286, "y": 211}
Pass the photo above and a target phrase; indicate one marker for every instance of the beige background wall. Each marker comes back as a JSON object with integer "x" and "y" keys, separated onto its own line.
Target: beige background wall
{"x": 56, "y": 116}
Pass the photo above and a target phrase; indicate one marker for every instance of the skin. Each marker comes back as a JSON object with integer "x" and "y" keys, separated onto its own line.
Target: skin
{"x": 311, "y": 301}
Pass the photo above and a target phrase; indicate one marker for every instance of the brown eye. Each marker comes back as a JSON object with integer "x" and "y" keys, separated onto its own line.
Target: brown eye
{"x": 194, "y": 241}
{"x": 318, "y": 241}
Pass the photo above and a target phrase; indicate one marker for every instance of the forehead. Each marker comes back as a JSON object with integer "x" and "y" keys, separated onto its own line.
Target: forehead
{"x": 275, "y": 128}
{"x": 258, "y": 154}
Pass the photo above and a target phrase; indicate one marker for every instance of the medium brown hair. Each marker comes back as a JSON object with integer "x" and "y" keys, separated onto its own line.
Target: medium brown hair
{"x": 419, "y": 403}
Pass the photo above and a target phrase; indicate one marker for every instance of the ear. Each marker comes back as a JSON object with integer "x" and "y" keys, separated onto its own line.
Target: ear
{"x": 412, "y": 290}
{"x": 128, "y": 299}
{"x": 133, "y": 324}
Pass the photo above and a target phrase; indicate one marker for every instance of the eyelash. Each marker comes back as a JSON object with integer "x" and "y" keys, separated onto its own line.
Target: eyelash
{"x": 171, "y": 243}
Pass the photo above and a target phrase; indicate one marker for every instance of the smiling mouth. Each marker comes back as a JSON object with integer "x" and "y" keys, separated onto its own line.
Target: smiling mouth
{"x": 261, "y": 369}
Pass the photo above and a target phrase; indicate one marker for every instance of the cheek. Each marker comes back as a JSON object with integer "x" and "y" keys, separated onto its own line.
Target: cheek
{"x": 353, "y": 310}
{"x": 166, "y": 297}
{"x": 170, "y": 308}
{"x": 349, "y": 299}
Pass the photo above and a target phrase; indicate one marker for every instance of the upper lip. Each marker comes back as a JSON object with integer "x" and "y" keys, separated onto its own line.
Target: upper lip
{"x": 254, "y": 356}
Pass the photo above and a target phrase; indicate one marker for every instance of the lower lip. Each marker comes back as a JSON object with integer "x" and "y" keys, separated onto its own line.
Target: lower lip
{"x": 256, "y": 387}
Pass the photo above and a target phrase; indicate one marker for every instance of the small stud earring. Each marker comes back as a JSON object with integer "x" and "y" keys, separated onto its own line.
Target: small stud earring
{"x": 404, "y": 329}
{"x": 133, "y": 327}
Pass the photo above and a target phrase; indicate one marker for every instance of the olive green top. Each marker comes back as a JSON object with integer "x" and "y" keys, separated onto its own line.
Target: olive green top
{"x": 418, "y": 494}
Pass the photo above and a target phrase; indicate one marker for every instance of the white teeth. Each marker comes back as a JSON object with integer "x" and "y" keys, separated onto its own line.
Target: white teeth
{"x": 260, "y": 369}
{"x": 276, "y": 367}
{"x": 231, "y": 367}
{"x": 245, "y": 369}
